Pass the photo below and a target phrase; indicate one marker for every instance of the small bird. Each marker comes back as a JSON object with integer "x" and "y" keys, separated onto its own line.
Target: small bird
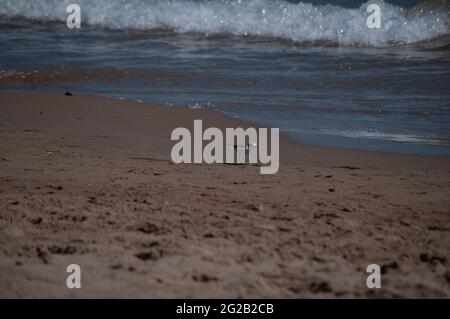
{"x": 247, "y": 146}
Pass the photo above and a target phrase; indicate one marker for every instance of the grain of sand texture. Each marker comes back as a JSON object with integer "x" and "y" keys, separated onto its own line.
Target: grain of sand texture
{"x": 88, "y": 180}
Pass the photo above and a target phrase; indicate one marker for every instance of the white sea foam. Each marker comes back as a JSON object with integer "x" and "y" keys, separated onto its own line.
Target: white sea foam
{"x": 405, "y": 138}
{"x": 394, "y": 137}
{"x": 300, "y": 22}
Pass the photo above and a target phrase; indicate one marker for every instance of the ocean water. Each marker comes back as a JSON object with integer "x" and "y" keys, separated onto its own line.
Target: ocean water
{"x": 313, "y": 68}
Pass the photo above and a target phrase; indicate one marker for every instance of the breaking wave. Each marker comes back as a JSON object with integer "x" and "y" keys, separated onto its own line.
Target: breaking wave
{"x": 301, "y": 22}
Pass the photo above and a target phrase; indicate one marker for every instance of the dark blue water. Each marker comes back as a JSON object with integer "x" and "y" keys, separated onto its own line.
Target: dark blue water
{"x": 387, "y": 91}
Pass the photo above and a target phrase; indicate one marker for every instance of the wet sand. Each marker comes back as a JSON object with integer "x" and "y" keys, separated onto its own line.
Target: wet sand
{"x": 88, "y": 180}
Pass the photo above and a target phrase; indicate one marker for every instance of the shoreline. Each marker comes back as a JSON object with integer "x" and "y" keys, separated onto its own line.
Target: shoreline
{"x": 292, "y": 152}
{"x": 88, "y": 180}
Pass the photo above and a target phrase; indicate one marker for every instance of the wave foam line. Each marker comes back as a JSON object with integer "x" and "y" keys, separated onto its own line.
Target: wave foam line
{"x": 300, "y": 22}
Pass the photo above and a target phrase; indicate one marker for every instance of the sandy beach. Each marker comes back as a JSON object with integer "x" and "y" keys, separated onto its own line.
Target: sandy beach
{"x": 89, "y": 180}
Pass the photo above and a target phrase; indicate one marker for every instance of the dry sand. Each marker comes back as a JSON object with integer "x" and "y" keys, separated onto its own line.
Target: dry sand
{"x": 88, "y": 180}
